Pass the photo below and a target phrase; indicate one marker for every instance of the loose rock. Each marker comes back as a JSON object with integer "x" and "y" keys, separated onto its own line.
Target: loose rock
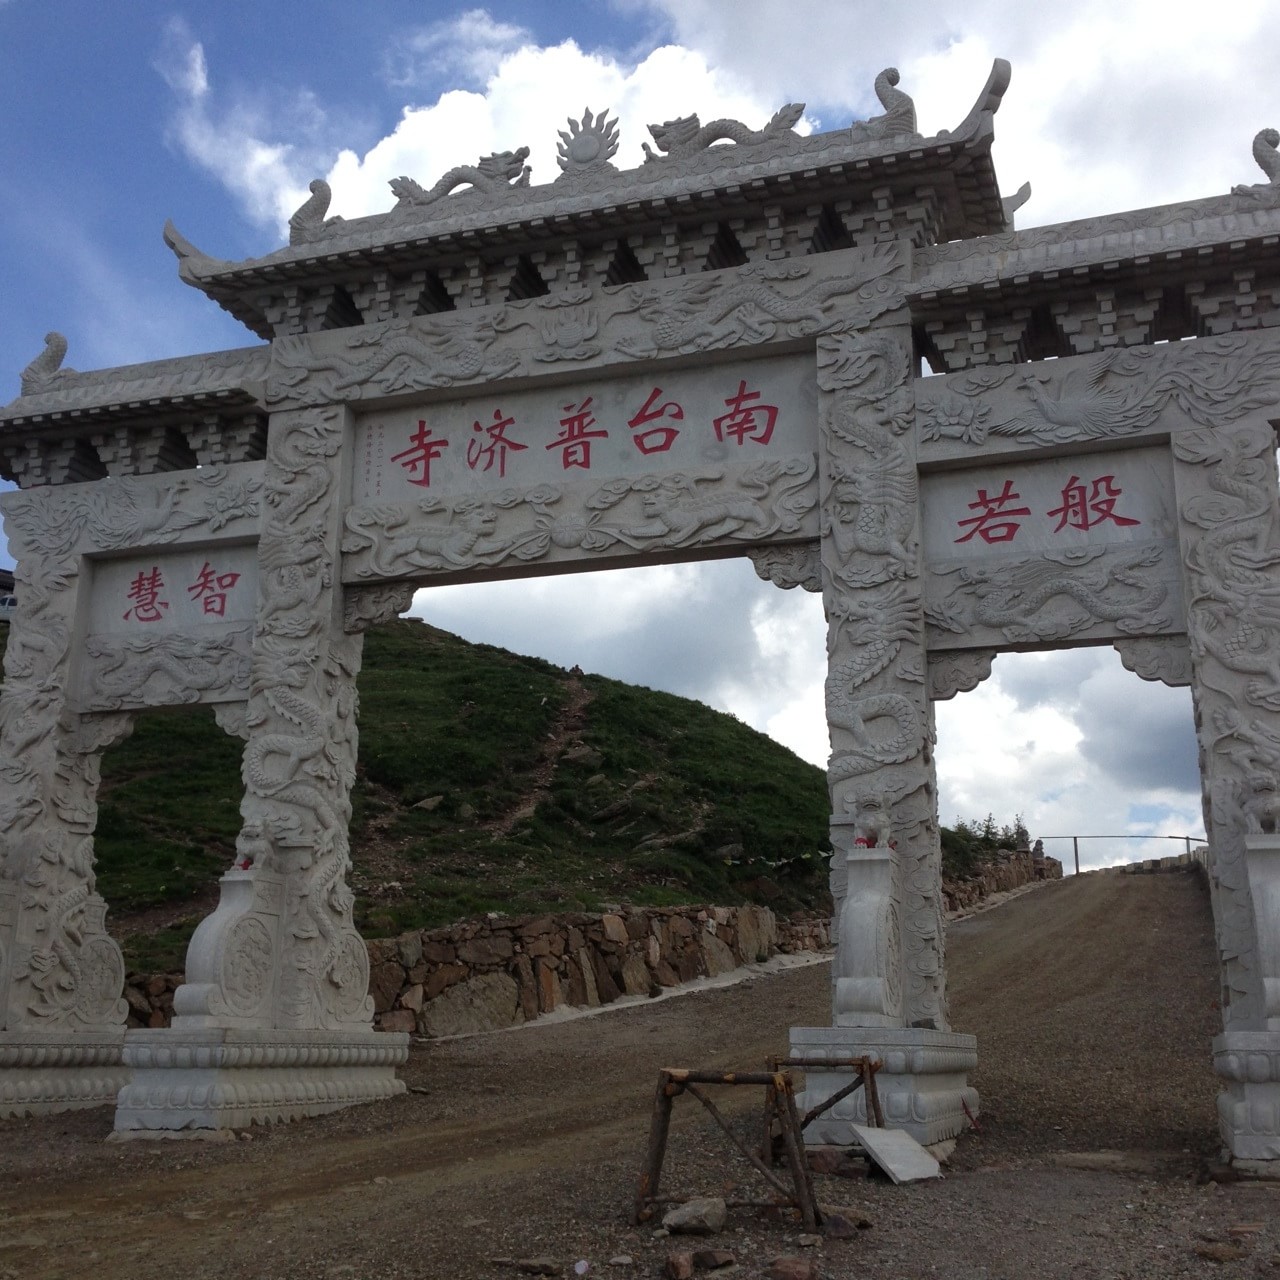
{"x": 712, "y": 1259}
{"x": 1221, "y": 1252}
{"x": 701, "y": 1217}
{"x": 679, "y": 1265}
{"x": 792, "y": 1268}
{"x": 844, "y": 1226}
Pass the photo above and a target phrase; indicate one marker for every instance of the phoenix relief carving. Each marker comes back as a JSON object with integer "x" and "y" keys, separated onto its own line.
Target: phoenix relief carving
{"x": 1116, "y": 394}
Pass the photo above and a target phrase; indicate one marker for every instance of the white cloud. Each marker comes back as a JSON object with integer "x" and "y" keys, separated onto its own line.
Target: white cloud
{"x": 1069, "y": 741}
{"x": 1110, "y": 107}
{"x": 470, "y": 45}
{"x": 526, "y": 102}
{"x": 235, "y": 142}
{"x": 181, "y": 62}
{"x": 714, "y": 632}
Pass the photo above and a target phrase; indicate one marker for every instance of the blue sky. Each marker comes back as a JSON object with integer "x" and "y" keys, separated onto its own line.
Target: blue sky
{"x": 114, "y": 118}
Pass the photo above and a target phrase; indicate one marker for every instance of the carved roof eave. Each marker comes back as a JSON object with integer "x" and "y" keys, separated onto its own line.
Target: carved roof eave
{"x": 1242, "y": 227}
{"x": 957, "y": 164}
{"x": 178, "y": 389}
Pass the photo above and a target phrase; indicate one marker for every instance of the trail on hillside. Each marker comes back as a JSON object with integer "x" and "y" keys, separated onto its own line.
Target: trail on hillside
{"x": 1092, "y": 999}
{"x": 566, "y": 730}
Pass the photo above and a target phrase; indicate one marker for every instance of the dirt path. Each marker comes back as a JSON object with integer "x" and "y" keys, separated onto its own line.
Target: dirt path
{"x": 568, "y": 725}
{"x": 526, "y": 1143}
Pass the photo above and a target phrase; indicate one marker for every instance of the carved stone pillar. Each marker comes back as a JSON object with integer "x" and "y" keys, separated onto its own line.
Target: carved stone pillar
{"x": 1229, "y": 518}
{"x": 61, "y": 975}
{"x": 274, "y": 1020}
{"x": 888, "y": 982}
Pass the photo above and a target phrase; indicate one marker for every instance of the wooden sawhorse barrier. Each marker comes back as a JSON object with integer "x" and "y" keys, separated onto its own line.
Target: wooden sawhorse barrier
{"x": 864, "y": 1077}
{"x": 780, "y": 1105}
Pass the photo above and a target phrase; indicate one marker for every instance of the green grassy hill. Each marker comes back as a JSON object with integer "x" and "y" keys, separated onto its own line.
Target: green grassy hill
{"x": 487, "y": 782}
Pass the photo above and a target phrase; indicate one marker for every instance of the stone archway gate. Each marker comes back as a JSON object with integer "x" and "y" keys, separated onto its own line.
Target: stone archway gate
{"x": 717, "y": 353}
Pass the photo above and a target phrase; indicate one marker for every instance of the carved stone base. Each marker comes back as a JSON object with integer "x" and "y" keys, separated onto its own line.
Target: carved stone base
{"x": 1249, "y": 1107}
{"x": 217, "y": 1078}
{"x": 923, "y": 1085}
{"x": 46, "y": 1071}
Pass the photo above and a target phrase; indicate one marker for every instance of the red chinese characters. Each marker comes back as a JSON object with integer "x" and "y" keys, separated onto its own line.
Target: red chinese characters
{"x": 676, "y": 418}
{"x": 996, "y": 520}
{"x": 210, "y": 589}
{"x": 422, "y": 450}
{"x": 499, "y": 444}
{"x": 1082, "y": 509}
{"x": 576, "y": 435}
{"x": 145, "y": 591}
{"x": 1083, "y": 506}
{"x": 745, "y": 420}
{"x": 660, "y": 438}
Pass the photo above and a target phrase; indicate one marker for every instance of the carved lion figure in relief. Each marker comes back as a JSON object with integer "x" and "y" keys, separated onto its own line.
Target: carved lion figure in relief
{"x": 871, "y": 823}
{"x": 678, "y": 518}
{"x": 1261, "y": 804}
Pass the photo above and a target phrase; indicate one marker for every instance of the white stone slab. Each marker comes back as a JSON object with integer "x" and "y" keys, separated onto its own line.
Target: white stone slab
{"x": 897, "y": 1153}
{"x": 1061, "y": 505}
{"x": 666, "y": 420}
{"x": 169, "y": 591}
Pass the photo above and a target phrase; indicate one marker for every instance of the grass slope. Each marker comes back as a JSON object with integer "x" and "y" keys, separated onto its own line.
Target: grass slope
{"x": 626, "y": 795}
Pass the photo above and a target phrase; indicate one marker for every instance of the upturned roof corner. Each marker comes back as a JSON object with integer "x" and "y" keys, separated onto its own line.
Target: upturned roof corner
{"x": 705, "y": 196}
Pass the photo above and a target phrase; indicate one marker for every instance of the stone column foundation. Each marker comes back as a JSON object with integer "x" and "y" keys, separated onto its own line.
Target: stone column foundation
{"x": 923, "y": 1085}
{"x": 1249, "y": 1107}
{"x": 223, "y": 1078}
{"x": 42, "y": 1072}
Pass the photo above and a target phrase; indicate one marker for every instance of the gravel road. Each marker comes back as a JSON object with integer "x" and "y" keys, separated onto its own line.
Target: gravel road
{"x": 1094, "y": 1003}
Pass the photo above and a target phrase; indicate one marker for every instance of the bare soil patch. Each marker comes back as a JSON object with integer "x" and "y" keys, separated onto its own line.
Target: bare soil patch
{"x": 1093, "y": 999}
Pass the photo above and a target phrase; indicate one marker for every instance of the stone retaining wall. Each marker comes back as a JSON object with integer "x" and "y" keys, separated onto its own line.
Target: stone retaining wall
{"x": 497, "y": 972}
{"x": 1197, "y": 860}
{"x": 1010, "y": 869}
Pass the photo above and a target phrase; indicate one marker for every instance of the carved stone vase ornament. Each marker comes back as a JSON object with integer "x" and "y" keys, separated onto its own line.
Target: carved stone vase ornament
{"x": 715, "y": 353}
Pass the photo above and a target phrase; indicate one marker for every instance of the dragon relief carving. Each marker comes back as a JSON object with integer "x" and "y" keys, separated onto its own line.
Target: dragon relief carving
{"x": 757, "y": 304}
{"x": 1166, "y": 659}
{"x": 1056, "y": 595}
{"x": 64, "y": 973}
{"x": 365, "y": 607}
{"x": 402, "y": 356}
{"x": 871, "y": 627}
{"x": 67, "y": 972}
{"x": 492, "y": 175}
{"x": 876, "y": 698}
{"x": 687, "y": 136}
{"x": 299, "y": 761}
{"x": 165, "y": 669}
{"x": 798, "y": 565}
{"x": 1231, "y": 538}
{"x": 635, "y": 514}
{"x": 958, "y": 672}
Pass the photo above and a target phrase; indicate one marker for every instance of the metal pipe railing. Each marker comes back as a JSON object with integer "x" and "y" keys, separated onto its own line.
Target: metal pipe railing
{"x": 1128, "y": 835}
